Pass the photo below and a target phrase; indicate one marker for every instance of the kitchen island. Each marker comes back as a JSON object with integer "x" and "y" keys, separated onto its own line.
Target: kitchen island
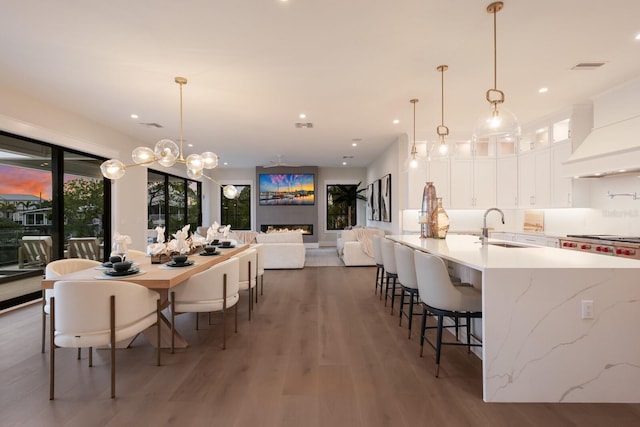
{"x": 540, "y": 343}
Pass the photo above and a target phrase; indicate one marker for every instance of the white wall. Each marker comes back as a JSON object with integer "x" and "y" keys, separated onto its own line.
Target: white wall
{"x": 29, "y": 117}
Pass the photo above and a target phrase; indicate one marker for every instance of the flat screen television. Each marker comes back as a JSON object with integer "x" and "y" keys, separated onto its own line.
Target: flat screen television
{"x": 287, "y": 189}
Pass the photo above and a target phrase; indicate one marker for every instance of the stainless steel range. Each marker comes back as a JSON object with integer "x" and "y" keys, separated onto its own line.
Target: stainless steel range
{"x": 622, "y": 246}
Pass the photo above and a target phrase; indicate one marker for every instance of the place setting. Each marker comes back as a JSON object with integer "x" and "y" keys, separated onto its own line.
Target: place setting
{"x": 178, "y": 261}
{"x": 210, "y": 250}
{"x": 113, "y": 260}
{"x": 121, "y": 269}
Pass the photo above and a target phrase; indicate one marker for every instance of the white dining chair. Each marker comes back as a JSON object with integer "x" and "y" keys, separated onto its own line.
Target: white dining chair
{"x": 99, "y": 312}
{"x": 212, "y": 290}
{"x": 54, "y": 270}
{"x": 248, "y": 268}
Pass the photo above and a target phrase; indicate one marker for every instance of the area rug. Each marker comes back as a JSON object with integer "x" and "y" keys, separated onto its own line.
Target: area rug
{"x": 322, "y": 257}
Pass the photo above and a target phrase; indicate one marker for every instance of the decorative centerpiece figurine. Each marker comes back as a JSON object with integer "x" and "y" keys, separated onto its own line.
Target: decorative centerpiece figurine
{"x": 120, "y": 242}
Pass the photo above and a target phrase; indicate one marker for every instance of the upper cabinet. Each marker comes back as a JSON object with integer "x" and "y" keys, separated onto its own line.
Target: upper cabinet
{"x": 473, "y": 175}
{"x": 534, "y": 179}
{"x": 505, "y": 173}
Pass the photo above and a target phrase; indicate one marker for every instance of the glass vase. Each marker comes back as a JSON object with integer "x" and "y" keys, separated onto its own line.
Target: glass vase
{"x": 439, "y": 221}
{"x": 429, "y": 205}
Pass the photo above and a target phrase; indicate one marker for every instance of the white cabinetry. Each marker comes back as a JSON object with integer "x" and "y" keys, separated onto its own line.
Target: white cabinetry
{"x": 473, "y": 183}
{"x": 529, "y": 239}
{"x": 534, "y": 179}
{"x": 566, "y": 192}
{"x": 507, "y": 182}
{"x": 536, "y": 240}
{"x": 562, "y": 186}
{"x": 438, "y": 173}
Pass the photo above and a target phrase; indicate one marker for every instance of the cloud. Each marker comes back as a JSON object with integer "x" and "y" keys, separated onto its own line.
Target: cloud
{"x": 25, "y": 181}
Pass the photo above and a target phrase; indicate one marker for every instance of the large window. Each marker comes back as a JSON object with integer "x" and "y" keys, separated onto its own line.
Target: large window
{"x": 173, "y": 202}
{"x": 48, "y": 194}
{"x": 237, "y": 212}
{"x": 341, "y": 205}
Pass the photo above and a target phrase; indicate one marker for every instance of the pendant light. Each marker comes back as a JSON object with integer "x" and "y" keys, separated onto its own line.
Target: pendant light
{"x": 498, "y": 122}
{"x": 413, "y": 161}
{"x": 442, "y": 130}
{"x": 167, "y": 153}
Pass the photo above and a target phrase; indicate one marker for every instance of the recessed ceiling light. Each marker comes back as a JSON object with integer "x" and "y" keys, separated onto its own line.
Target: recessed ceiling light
{"x": 134, "y": 116}
{"x": 638, "y": 36}
{"x": 543, "y": 90}
{"x": 344, "y": 163}
{"x": 302, "y": 116}
{"x": 189, "y": 145}
{"x": 354, "y": 144}
{"x": 598, "y": 174}
{"x": 622, "y": 170}
{"x": 225, "y": 163}
{"x": 396, "y": 121}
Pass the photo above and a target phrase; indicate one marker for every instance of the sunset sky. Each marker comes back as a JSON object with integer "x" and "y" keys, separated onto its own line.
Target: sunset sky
{"x": 25, "y": 181}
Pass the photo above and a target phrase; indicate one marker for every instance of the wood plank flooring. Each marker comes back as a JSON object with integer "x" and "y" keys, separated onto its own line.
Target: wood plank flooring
{"x": 321, "y": 351}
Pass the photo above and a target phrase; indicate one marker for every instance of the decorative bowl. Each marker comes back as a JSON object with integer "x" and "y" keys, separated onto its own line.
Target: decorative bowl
{"x": 180, "y": 259}
{"x": 122, "y": 266}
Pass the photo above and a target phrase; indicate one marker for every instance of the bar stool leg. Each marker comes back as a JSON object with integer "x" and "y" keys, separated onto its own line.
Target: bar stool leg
{"x": 439, "y": 343}
{"x": 423, "y": 327}
{"x": 401, "y": 305}
{"x": 411, "y": 295}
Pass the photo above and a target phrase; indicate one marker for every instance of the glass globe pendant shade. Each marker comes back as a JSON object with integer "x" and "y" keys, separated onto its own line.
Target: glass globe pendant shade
{"x": 498, "y": 123}
{"x": 230, "y": 192}
{"x": 167, "y": 152}
{"x": 194, "y": 174}
{"x": 143, "y": 156}
{"x": 195, "y": 162}
{"x": 209, "y": 159}
{"x": 112, "y": 169}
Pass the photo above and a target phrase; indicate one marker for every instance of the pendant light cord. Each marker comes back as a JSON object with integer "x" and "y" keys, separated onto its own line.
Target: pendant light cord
{"x": 181, "y": 156}
{"x": 495, "y": 51}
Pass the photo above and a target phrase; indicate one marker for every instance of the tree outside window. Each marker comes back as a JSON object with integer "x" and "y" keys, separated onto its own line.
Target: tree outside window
{"x": 237, "y": 212}
{"x": 342, "y": 206}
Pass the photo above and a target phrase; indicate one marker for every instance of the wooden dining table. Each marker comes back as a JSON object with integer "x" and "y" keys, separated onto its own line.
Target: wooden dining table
{"x": 160, "y": 278}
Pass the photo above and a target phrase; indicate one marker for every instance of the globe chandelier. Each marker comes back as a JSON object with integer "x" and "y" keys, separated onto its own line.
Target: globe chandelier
{"x": 500, "y": 122}
{"x": 167, "y": 153}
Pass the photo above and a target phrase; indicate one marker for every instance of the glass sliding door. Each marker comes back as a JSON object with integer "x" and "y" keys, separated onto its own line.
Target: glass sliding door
{"x": 173, "y": 202}
{"x": 177, "y": 197}
{"x": 47, "y": 194}
{"x": 237, "y": 212}
{"x": 83, "y": 189}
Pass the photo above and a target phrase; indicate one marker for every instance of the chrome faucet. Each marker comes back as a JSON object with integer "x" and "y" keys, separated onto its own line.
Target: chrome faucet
{"x": 485, "y": 231}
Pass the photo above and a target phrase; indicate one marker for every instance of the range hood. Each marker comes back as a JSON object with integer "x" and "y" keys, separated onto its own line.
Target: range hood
{"x": 607, "y": 150}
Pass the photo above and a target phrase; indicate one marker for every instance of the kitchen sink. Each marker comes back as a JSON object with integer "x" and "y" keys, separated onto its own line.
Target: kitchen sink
{"x": 507, "y": 245}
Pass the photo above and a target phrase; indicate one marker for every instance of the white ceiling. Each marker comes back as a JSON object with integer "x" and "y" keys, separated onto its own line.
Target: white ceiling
{"x": 350, "y": 65}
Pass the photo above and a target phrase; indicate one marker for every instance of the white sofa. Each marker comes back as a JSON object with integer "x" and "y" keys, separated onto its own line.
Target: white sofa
{"x": 355, "y": 246}
{"x": 282, "y": 249}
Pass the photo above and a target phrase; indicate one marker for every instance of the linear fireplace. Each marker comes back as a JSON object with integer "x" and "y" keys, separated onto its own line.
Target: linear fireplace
{"x": 307, "y": 229}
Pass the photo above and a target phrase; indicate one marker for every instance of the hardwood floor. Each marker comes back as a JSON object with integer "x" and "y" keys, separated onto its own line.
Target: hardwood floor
{"x": 321, "y": 351}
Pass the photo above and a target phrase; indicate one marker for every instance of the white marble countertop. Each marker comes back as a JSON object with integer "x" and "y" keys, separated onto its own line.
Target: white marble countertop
{"x": 467, "y": 250}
